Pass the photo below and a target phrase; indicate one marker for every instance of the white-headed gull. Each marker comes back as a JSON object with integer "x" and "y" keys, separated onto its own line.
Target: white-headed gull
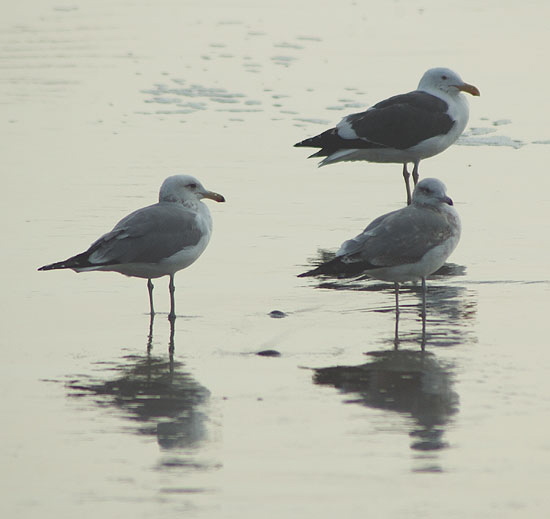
{"x": 405, "y": 245}
{"x": 404, "y": 128}
{"x": 154, "y": 241}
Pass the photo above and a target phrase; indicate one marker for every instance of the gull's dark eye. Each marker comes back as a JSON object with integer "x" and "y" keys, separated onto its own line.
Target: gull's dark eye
{"x": 444, "y": 78}
{"x": 192, "y": 186}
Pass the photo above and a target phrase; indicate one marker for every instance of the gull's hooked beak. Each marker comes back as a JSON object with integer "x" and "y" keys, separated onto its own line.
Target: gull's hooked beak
{"x": 466, "y": 87}
{"x": 448, "y": 200}
{"x": 213, "y": 196}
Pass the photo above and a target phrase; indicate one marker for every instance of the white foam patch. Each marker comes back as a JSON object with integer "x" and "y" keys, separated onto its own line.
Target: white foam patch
{"x": 495, "y": 140}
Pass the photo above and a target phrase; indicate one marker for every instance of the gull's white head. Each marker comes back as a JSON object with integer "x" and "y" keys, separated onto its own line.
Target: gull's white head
{"x": 430, "y": 191}
{"x": 185, "y": 188}
{"x": 445, "y": 80}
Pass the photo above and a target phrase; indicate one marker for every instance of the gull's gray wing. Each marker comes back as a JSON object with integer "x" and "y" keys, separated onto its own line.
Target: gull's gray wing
{"x": 397, "y": 238}
{"x": 147, "y": 235}
{"x": 355, "y": 245}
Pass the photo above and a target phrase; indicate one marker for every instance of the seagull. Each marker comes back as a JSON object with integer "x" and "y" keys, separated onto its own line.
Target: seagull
{"x": 404, "y": 128}
{"x": 154, "y": 241}
{"x": 405, "y": 245}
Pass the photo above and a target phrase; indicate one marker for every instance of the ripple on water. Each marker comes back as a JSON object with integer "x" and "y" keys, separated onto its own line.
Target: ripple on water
{"x": 193, "y": 97}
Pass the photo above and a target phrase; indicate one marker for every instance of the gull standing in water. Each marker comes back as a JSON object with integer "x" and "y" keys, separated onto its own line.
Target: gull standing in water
{"x": 405, "y": 245}
{"x": 155, "y": 241}
{"x": 404, "y": 128}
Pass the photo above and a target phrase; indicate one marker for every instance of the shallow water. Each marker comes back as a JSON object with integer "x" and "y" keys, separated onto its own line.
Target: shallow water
{"x": 103, "y": 100}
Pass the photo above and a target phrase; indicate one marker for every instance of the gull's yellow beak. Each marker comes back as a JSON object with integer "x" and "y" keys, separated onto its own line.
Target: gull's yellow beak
{"x": 471, "y": 89}
{"x": 213, "y": 196}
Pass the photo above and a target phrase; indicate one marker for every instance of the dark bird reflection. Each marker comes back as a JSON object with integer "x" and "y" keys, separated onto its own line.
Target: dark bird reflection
{"x": 404, "y": 381}
{"x": 450, "y": 309}
{"x": 155, "y": 392}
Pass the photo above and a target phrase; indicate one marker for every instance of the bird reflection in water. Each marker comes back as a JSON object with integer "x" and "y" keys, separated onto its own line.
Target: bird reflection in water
{"x": 450, "y": 308}
{"x": 156, "y": 393}
{"x": 411, "y": 382}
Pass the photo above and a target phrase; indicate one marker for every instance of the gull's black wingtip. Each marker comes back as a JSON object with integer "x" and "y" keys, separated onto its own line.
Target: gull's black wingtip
{"x": 332, "y": 267}
{"x": 310, "y": 142}
{"x": 78, "y": 261}
{"x": 53, "y": 266}
{"x": 338, "y": 269}
{"x": 309, "y": 273}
